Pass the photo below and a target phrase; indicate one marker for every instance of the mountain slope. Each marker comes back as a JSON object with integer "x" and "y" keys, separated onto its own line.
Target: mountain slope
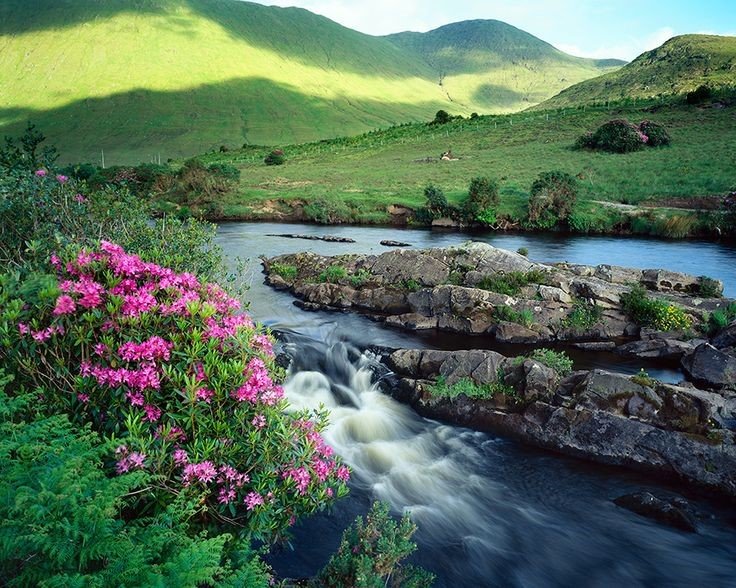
{"x": 495, "y": 67}
{"x": 678, "y": 66}
{"x": 141, "y": 79}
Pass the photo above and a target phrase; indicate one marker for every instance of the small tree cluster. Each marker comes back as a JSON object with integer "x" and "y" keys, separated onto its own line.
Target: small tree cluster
{"x": 552, "y": 198}
{"x": 621, "y": 136}
{"x": 699, "y": 95}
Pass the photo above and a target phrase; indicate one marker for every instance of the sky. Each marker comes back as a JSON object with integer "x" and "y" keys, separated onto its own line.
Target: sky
{"x": 588, "y": 28}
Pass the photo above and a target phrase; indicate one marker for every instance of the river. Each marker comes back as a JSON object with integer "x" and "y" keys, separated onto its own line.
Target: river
{"x": 490, "y": 512}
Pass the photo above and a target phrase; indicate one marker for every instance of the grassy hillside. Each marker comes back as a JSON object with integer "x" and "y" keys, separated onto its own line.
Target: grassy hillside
{"x": 678, "y": 66}
{"x": 494, "y": 67}
{"x": 146, "y": 78}
{"x": 360, "y": 177}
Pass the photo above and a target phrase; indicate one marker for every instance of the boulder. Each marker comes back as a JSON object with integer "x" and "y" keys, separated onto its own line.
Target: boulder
{"x": 602, "y": 390}
{"x": 671, "y": 349}
{"x": 726, "y": 337}
{"x": 514, "y": 333}
{"x": 390, "y": 243}
{"x": 553, "y": 294}
{"x": 667, "y": 281}
{"x": 710, "y": 367}
{"x": 671, "y": 512}
{"x": 401, "y": 265}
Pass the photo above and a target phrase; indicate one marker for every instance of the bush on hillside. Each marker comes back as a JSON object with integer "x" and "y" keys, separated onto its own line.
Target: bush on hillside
{"x": 482, "y": 199}
{"x": 436, "y": 205}
{"x": 618, "y": 136}
{"x": 621, "y": 136}
{"x": 656, "y": 133}
{"x": 699, "y": 95}
{"x": 276, "y": 157}
{"x": 441, "y": 117}
{"x": 552, "y": 198}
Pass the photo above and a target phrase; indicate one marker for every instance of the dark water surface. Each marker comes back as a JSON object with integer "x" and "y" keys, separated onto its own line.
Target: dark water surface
{"x": 490, "y": 512}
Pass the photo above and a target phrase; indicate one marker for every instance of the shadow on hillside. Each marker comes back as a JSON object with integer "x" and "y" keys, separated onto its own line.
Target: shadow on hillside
{"x": 291, "y": 32}
{"x": 142, "y": 125}
{"x": 495, "y": 96}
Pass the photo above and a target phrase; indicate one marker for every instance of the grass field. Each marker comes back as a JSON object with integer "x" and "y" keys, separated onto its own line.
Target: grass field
{"x": 361, "y": 176}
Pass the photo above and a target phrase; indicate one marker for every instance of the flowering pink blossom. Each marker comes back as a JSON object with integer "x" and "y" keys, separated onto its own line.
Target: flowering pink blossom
{"x": 23, "y": 328}
{"x": 180, "y": 457}
{"x": 62, "y": 179}
{"x": 84, "y": 258}
{"x": 64, "y": 305}
{"x": 80, "y": 198}
{"x": 90, "y": 291}
{"x": 83, "y": 398}
{"x": 343, "y": 473}
{"x": 153, "y": 413}
{"x": 225, "y": 495}
{"x": 137, "y": 303}
{"x": 41, "y": 173}
{"x": 300, "y": 476}
{"x": 55, "y": 261}
{"x": 154, "y": 348}
{"x": 203, "y": 472}
{"x": 205, "y": 395}
{"x": 253, "y": 499}
{"x": 264, "y": 343}
{"x": 259, "y": 421}
{"x": 100, "y": 349}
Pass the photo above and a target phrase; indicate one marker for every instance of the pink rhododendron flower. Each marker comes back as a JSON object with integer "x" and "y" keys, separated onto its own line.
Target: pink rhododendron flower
{"x": 203, "y": 472}
{"x": 180, "y": 457}
{"x": 91, "y": 292}
{"x": 23, "y": 328}
{"x": 55, "y": 261}
{"x": 64, "y": 305}
{"x": 153, "y": 413}
{"x": 205, "y": 395}
{"x": 259, "y": 421}
{"x": 41, "y": 173}
{"x": 83, "y": 398}
{"x": 253, "y": 499}
{"x": 80, "y": 198}
{"x": 62, "y": 179}
{"x": 154, "y": 348}
{"x": 343, "y": 473}
{"x": 264, "y": 343}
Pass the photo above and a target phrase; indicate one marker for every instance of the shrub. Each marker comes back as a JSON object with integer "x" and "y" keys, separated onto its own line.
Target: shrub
{"x": 655, "y": 133}
{"x": 507, "y": 314}
{"x": 583, "y": 316}
{"x": 523, "y": 251}
{"x": 25, "y": 153}
{"x": 677, "y": 226}
{"x": 161, "y": 361}
{"x": 360, "y": 277}
{"x": 551, "y": 199}
{"x": 471, "y": 389}
{"x": 68, "y": 524}
{"x": 333, "y": 274}
{"x": 699, "y": 95}
{"x": 643, "y": 379}
{"x": 618, "y": 136}
{"x": 511, "y": 283}
{"x": 436, "y": 202}
{"x": 482, "y": 198}
{"x": 441, "y": 117}
{"x": 370, "y": 555}
{"x": 328, "y": 212}
{"x": 557, "y": 360}
{"x": 709, "y": 288}
{"x": 411, "y": 285}
{"x": 720, "y": 319}
{"x": 275, "y": 157}
{"x": 288, "y": 272}
{"x": 656, "y": 314}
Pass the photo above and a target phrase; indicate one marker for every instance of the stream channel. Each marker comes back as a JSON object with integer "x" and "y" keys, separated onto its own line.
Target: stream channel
{"x": 490, "y": 511}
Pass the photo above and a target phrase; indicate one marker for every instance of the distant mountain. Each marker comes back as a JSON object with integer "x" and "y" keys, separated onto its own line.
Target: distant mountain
{"x": 494, "y": 67}
{"x": 143, "y": 79}
{"x": 676, "y": 67}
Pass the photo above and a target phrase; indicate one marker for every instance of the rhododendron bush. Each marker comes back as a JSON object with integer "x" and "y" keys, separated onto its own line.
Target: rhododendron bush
{"x": 185, "y": 382}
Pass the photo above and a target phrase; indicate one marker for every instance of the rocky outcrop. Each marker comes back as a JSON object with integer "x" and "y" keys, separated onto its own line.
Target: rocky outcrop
{"x": 676, "y": 431}
{"x": 479, "y": 289}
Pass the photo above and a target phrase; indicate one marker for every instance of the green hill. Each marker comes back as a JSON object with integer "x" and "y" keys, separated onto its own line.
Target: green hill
{"x": 678, "y": 66}
{"x": 141, "y": 79}
{"x": 494, "y": 67}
